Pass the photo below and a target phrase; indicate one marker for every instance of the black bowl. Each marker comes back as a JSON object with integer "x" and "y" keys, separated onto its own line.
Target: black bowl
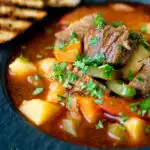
{"x": 15, "y": 132}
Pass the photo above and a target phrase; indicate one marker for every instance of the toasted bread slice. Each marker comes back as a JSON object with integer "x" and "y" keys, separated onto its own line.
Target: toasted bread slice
{"x": 26, "y": 13}
{"x": 28, "y": 3}
{"x": 63, "y": 3}
{"x": 5, "y": 10}
{"x": 13, "y": 24}
{"x": 6, "y": 35}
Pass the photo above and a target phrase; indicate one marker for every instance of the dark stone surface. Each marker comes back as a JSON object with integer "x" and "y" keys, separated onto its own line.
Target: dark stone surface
{"x": 18, "y": 134}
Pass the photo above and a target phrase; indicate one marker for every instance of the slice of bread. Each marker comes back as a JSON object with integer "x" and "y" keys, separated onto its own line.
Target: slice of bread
{"x": 14, "y": 19}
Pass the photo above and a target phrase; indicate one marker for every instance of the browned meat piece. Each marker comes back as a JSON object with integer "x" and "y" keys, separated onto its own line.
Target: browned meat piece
{"x": 80, "y": 27}
{"x": 142, "y": 80}
{"x": 76, "y": 86}
{"x": 113, "y": 42}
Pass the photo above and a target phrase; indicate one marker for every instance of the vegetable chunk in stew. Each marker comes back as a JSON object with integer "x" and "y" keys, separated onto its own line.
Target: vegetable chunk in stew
{"x": 88, "y": 76}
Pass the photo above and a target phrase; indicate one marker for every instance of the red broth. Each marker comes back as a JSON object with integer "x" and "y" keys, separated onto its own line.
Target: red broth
{"x": 41, "y": 44}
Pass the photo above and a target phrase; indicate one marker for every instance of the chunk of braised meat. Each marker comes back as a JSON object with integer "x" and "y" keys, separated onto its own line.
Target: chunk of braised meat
{"x": 78, "y": 86}
{"x": 80, "y": 28}
{"x": 141, "y": 82}
{"x": 113, "y": 42}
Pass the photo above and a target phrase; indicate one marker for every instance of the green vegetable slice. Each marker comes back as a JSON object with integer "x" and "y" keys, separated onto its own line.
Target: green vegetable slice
{"x": 105, "y": 72}
{"x": 121, "y": 88}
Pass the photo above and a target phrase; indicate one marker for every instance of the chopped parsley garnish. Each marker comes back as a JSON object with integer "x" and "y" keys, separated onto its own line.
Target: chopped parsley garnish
{"x": 22, "y": 58}
{"x": 49, "y": 47}
{"x": 133, "y": 107}
{"x": 71, "y": 77}
{"x": 144, "y": 28}
{"x": 117, "y": 23}
{"x": 120, "y": 47}
{"x": 83, "y": 61}
{"x": 62, "y": 98}
{"x": 144, "y": 107}
{"x": 99, "y": 21}
{"x": 49, "y": 30}
{"x": 130, "y": 75}
{"x": 100, "y": 124}
{"x": 59, "y": 73}
{"x": 39, "y": 56}
{"x": 36, "y": 77}
{"x": 61, "y": 45}
{"x": 94, "y": 89}
{"x": 98, "y": 101}
{"x": 108, "y": 70}
{"x": 73, "y": 35}
{"x": 94, "y": 40}
{"x": 140, "y": 79}
{"x": 69, "y": 102}
{"x": 38, "y": 91}
{"x": 83, "y": 86}
{"x": 147, "y": 130}
{"x": 133, "y": 35}
{"x": 124, "y": 118}
{"x": 144, "y": 42}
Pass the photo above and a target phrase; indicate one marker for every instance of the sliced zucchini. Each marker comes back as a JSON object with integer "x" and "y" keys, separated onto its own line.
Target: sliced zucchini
{"x": 121, "y": 88}
{"x": 106, "y": 72}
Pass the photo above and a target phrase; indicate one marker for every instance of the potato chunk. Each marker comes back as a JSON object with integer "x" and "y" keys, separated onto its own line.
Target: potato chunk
{"x": 135, "y": 62}
{"x": 56, "y": 90}
{"x": 39, "y": 111}
{"x": 21, "y": 67}
{"x": 136, "y": 129}
{"x": 45, "y": 66}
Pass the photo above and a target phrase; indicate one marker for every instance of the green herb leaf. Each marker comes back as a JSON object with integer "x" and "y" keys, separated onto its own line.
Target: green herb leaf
{"x": 117, "y": 23}
{"x": 71, "y": 77}
{"x": 69, "y": 102}
{"x": 38, "y": 91}
{"x": 144, "y": 28}
{"x": 108, "y": 70}
{"x": 36, "y": 77}
{"x": 49, "y": 48}
{"x": 120, "y": 47}
{"x": 140, "y": 79}
{"x": 144, "y": 42}
{"x": 100, "y": 124}
{"x": 98, "y": 101}
{"x": 38, "y": 56}
{"x": 124, "y": 118}
{"x": 61, "y": 45}
{"x": 22, "y": 58}
{"x": 73, "y": 35}
{"x": 94, "y": 40}
{"x": 130, "y": 75}
{"x": 62, "y": 98}
{"x": 133, "y": 35}
{"x": 99, "y": 21}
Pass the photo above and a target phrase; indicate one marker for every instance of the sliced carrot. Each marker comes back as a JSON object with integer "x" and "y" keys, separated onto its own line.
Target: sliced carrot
{"x": 88, "y": 108}
{"x": 69, "y": 53}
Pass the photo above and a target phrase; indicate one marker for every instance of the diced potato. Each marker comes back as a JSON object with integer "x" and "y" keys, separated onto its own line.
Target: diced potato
{"x": 45, "y": 66}
{"x": 117, "y": 132}
{"x": 39, "y": 111}
{"x": 70, "y": 126}
{"x": 136, "y": 61}
{"x": 88, "y": 108}
{"x": 136, "y": 129}
{"x": 55, "y": 89}
{"x": 21, "y": 67}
